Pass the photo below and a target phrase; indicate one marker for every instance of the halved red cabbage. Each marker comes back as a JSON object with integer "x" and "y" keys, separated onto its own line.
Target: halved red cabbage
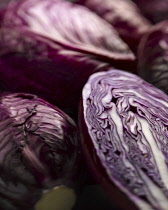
{"x": 123, "y": 122}
{"x": 153, "y": 56}
{"x": 154, "y": 10}
{"x": 123, "y": 15}
{"x": 38, "y": 150}
{"x": 50, "y": 47}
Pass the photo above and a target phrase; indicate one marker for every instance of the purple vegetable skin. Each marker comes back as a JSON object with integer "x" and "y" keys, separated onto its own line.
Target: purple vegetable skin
{"x": 38, "y": 150}
{"x": 154, "y": 10}
{"x": 153, "y": 56}
{"x": 123, "y": 123}
{"x": 4, "y": 3}
{"x": 124, "y": 16}
{"x": 60, "y": 46}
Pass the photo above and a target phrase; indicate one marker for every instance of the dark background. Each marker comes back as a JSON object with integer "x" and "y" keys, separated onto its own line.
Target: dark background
{"x": 93, "y": 197}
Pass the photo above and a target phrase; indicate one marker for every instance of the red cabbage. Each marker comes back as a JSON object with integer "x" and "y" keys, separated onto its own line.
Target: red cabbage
{"x": 4, "y": 3}
{"x": 153, "y": 56}
{"x": 124, "y": 15}
{"x": 124, "y": 123}
{"x": 38, "y": 150}
{"x": 154, "y": 10}
{"x": 51, "y": 49}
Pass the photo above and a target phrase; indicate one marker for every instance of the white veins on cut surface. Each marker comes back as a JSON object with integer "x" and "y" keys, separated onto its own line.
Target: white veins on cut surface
{"x": 127, "y": 122}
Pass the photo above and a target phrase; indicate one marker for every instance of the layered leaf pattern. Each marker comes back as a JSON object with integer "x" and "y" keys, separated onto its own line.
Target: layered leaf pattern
{"x": 127, "y": 123}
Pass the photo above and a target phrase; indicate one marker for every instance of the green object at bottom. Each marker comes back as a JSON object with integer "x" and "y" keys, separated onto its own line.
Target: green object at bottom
{"x": 59, "y": 198}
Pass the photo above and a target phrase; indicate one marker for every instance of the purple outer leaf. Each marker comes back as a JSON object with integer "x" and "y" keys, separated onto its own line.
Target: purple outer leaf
{"x": 38, "y": 149}
{"x": 154, "y": 10}
{"x": 153, "y": 56}
{"x": 64, "y": 25}
{"x": 4, "y": 3}
{"x": 124, "y": 134}
{"x": 58, "y": 40}
{"x": 123, "y": 15}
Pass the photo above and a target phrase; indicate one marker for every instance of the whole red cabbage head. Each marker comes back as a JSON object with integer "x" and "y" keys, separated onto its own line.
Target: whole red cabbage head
{"x": 38, "y": 150}
{"x": 51, "y": 49}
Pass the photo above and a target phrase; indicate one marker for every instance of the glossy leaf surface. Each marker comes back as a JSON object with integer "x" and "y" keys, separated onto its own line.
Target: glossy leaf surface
{"x": 123, "y": 15}
{"x": 54, "y": 37}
